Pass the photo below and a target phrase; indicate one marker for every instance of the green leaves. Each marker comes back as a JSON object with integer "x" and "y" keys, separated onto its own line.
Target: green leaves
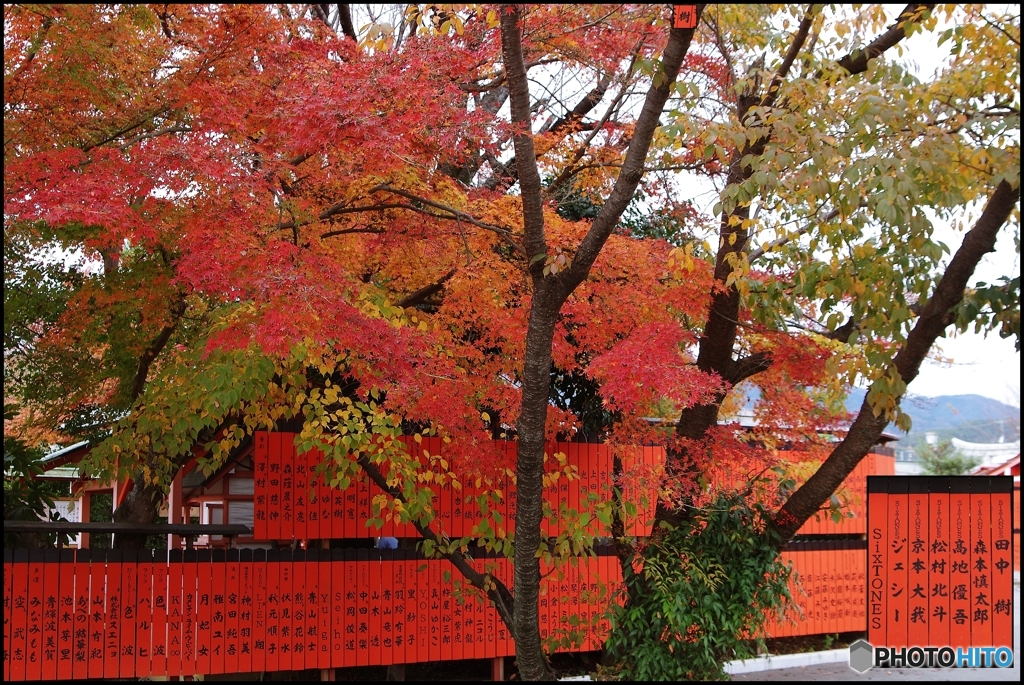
{"x": 704, "y": 591}
{"x": 988, "y": 307}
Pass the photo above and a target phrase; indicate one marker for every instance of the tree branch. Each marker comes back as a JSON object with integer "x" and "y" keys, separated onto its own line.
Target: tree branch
{"x": 337, "y": 210}
{"x": 127, "y": 128}
{"x": 418, "y": 297}
{"x": 175, "y": 128}
{"x": 151, "y": 352}
{"x": 633, "y": 166}
{"x": 794, "y": 49}
{"x": 499, "y": 593}
{"x": 570, "y": 169}
{"x": 857, "y": 61}
{"x": 452, "y": 214}
{"x": 320, "y": 12}
{"x": 522, "y": 140}
{"x": 345, "y": 21}
{"x": 572, "y": 118}
{"x": 582, "y": 108}
{"x": 936, "y": 315}
{"x": 350, "y": 231}
{"x": 768, "y": 247}
{"x": 748, "y": 366}
{"x": 33, "y": 49}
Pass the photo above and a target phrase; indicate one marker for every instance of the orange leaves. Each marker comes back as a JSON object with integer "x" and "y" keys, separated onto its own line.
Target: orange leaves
{"x": 592, "y": 35}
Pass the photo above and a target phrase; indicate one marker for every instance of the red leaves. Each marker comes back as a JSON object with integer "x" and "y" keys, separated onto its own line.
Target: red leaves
{"x": 652, "y": 364}
{"x": 246, "y": 148}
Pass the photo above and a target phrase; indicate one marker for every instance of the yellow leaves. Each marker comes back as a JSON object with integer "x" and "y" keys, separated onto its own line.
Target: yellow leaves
{"x": 421, "y": 324}
{"x": 740, "y": 268}
{"x": 682, "y": 257}
{"x": 377, "y": 36}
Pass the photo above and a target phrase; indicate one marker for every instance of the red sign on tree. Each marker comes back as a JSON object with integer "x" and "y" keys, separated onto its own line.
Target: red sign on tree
{"x": 684, "y": 16}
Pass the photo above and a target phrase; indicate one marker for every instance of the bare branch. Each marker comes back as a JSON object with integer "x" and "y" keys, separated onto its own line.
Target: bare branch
{"x": 337, "y": 210}
{"x": 633, "y": 166}
{"x": 421, "y": 295}
{"x": 450, "y": 214}
{"x": 857, "y": 61}
{"x": 565, "y": 123}
{"x": 495, "y": 589}
{"x": 127, "y": 128}
{"x": 568, "y": 172}
{"x": 174, "y": 128}
{"x": 349, "y": 231}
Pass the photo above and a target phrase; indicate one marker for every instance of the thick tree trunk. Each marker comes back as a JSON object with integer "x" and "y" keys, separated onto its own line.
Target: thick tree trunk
{"x": 530, "y": 429}
{"x": 693, "y": 424}
{"x": 549, "y": 293}
{"x": 140, "y": 506}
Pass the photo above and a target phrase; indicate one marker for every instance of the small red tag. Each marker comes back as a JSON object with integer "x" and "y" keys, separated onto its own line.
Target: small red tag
{"x": 684, "y": 16}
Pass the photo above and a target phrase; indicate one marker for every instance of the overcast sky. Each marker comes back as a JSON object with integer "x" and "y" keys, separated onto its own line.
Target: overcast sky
{"x": 988, "y": 367}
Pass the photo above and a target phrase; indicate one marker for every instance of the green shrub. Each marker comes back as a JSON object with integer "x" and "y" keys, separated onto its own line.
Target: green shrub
{"x": 704, "y": 591}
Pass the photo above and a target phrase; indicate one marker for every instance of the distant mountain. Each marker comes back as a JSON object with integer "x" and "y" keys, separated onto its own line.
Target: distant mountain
{"x": 969, "y": 417}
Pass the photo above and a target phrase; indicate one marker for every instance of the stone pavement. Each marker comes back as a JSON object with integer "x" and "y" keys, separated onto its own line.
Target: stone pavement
{"x": 842, "y": 671}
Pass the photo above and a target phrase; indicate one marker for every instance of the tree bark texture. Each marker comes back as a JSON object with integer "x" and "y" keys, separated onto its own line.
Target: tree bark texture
{"x": 140, "y": 506}
{"x": 549, "y": 293}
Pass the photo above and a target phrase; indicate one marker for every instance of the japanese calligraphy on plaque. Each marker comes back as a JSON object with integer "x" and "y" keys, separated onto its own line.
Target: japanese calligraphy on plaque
{"x": 684, "y": 16}
{"x": 940, "y": 561}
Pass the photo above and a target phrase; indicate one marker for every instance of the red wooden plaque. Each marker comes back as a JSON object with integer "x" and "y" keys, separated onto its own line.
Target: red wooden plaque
{"x": 684, "y": 16}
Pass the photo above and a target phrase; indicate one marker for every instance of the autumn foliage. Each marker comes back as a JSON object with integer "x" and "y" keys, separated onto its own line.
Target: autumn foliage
{"x": 219, "y": 219}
